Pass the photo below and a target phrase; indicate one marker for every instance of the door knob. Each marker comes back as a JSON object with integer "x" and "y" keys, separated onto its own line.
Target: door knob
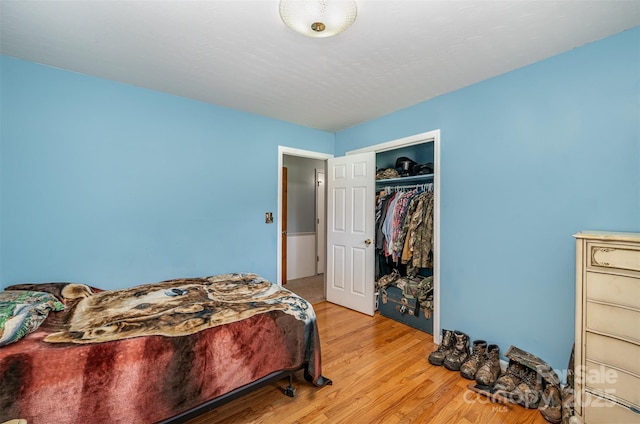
{"x": 368, "y": 242}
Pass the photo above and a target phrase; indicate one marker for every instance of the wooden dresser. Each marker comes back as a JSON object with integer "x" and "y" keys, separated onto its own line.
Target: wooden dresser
{"x": 607, "y": 350}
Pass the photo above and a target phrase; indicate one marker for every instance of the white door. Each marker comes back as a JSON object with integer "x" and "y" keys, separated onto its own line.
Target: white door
{"x": 351, "y": 231}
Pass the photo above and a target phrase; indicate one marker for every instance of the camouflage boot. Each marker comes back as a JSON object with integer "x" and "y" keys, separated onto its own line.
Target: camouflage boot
{"x": 437, "y": 356}
{"x": 567, "y": 391}
{"x": 567, "y": 403}
{"x": 469, "y": 368}
{"x": 571, "y": 367}
{"x": 459, "y": 353}
{"x": 528, "y": 392}
{"x": 490, "y": 368}
{"x": 551, "y": 404}
{"x": 512, "y": 377}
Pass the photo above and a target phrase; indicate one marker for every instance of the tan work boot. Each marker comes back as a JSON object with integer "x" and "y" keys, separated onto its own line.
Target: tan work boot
{"x": 469, "y": 368}
{"x": 489, "y": 371}
{"x": 551, "y": 404}
{"x": 459, "y": 353}
{"x": 512, "y": 377}
{"x": 437, "y": 356}
{"x": 528, "y": 392}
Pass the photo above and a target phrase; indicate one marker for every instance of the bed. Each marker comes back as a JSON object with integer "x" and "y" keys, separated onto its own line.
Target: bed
{"x": 162, "y": 352}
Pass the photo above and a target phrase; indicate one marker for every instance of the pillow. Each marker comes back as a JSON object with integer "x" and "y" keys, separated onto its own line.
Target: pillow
{"x": 62, "y": 291}
{"x": 22, "y": 312}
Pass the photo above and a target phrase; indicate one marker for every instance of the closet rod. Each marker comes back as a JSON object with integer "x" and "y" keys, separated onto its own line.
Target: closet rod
{"x": 424, "y": 186}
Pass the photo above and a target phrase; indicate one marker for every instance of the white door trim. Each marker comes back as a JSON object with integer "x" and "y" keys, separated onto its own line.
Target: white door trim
{"x": 321, "y": 217}
{"x": 291, "y": 151}
{"x": 430, "y": 136}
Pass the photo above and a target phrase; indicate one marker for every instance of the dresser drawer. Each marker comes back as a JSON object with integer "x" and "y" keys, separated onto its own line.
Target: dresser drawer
{"x": 605, "y": 256}
{"x": 616, "y": 289}
{"x": 614, "y": 383}
{"x": 600, "y": 411}
{"x": 613, "y": 320}
{"x": 614, "y": 352}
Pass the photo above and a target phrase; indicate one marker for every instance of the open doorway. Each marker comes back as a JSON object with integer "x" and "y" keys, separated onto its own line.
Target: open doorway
{"x": 298, "y": 229}
{"x": 302, "y": 214}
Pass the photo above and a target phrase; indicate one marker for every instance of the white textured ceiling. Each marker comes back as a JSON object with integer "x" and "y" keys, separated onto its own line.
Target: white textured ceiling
{"x": 239, "y": 54}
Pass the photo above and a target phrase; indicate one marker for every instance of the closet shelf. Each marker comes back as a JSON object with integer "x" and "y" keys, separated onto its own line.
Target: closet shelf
{"x": 400, "y": 180}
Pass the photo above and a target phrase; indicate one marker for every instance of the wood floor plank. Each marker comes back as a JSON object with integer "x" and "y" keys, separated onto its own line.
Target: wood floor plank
{"x": 380, "y": 374}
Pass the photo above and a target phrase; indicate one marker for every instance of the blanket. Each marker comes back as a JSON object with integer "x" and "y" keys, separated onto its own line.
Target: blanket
{"x": 147, "y": 353}
{"x": 172, "y": 308}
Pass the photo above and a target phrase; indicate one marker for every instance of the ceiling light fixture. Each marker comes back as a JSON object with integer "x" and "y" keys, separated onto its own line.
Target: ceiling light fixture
{"x": 318, "y": 18}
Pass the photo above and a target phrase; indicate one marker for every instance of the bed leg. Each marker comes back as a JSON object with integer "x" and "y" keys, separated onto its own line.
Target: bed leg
{"x": 290, "y": 390}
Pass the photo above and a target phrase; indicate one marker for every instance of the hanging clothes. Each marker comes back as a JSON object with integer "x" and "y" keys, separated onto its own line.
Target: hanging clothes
{"x": 413, "y": 221}
{"x": 399, "y": 214}
{"x": 404, "y": 226}
{"x": 381, "y": 211}
{"x": 387, "y": 226}
{"x": 421, "y": 240}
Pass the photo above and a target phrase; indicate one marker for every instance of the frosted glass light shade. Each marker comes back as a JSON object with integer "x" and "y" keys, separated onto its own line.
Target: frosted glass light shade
{"x": 318, "y": 18}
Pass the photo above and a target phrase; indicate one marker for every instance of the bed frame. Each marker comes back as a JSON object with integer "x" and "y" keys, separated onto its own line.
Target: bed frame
{"x": 289, "y": 390}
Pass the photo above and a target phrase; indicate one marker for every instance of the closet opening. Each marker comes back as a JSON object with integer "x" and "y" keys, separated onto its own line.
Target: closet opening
{"x": 404, "y": 235}
{"x": 423, "y": 152}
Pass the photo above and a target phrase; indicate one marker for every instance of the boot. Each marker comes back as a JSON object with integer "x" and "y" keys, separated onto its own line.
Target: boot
{"x": 528, "y": 392}
{"x": 512, "y": 377}
{"x": 567, "y": 391}
{"x": 437, "y": 356}
{"x": 469, "y": 368}
{"x": 571, "y": 366}
{"x": 490, "y": 368}
{"x": 459, "y": 353}
{"x": 551, "y": 404}
{"x": 567, "y": 403}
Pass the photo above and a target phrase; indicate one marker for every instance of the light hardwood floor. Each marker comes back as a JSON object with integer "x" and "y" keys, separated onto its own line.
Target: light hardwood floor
{"x": 380, "y": 374}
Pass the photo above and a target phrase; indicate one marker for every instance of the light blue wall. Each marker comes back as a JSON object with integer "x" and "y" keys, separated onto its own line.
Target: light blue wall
{"x": 115, "y": 185}
{"x": 528, "y": 159}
